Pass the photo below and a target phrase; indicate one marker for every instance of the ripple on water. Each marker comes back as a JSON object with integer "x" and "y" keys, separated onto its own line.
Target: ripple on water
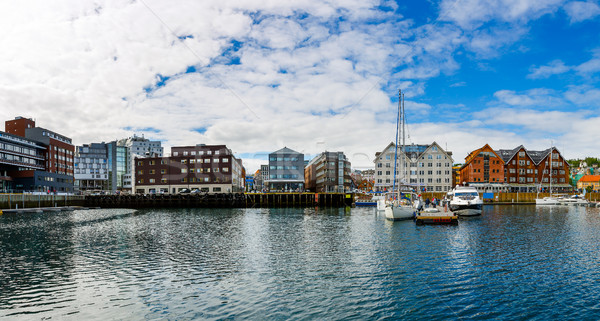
{"x": 514, "y": 262}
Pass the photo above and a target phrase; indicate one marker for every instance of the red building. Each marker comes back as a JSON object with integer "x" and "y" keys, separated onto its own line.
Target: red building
{"x": 530, "y": 171}
{"x": 59, "y": 153}
{"x": 483, "y": 166}
{"x": 516, "y": 169}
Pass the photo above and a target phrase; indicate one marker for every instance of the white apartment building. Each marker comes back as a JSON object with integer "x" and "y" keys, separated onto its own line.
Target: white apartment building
{"x": 422, "y": 167}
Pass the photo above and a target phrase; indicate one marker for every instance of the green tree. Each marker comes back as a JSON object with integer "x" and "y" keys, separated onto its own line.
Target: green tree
{"x": 589, "y": 189}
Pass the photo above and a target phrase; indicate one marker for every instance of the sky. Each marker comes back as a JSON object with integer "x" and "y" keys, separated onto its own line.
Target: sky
{"x": 308, "y": 75}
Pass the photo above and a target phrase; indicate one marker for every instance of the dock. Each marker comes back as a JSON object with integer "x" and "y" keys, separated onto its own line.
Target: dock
{"x": 224, "y": 200}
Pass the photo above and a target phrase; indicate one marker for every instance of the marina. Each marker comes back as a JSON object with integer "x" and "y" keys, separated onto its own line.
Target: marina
{"x": 299, "y": 263}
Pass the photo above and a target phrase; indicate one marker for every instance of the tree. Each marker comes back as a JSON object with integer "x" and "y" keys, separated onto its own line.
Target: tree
{"x": 589, "y": 188}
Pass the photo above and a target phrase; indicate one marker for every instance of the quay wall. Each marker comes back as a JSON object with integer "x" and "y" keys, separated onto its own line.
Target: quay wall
{"x": 13, "y": 201}
{"x": 512, "y": 197}
{"x": 230, "y": 200}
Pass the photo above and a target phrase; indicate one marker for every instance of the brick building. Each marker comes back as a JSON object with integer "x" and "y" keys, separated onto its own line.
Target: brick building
{"x": 58, "y": 153}
{"x": 209, "y": 168}
{"x": 517, "y": 169}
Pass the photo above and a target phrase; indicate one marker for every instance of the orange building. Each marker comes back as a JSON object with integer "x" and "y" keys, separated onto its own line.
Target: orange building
{"x": 589, "y": 180}
{"x": 516, "y": 169}
{"x": 482, "y": 165}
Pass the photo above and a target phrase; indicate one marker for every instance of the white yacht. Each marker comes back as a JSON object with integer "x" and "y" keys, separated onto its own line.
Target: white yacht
{"x": 548, "y": 200}
{"x": 574, "y": 200}
{"x": 465, "y": 201}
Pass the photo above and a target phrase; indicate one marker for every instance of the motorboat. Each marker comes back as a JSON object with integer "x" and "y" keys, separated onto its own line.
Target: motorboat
{"x": 574, "y": 200}
{"x": 548, "y": 200}
{"x": 465, "y": 201}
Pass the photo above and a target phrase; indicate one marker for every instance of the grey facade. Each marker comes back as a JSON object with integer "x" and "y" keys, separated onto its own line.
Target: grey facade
{"x": 286, "y": 171}
{"x": 92, "y": 168}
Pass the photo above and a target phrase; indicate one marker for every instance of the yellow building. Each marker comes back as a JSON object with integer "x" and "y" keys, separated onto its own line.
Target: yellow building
{"x": 589, "y": 180}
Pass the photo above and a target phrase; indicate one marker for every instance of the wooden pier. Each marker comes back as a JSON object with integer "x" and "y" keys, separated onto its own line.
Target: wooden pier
{"x": 230, "y": 200}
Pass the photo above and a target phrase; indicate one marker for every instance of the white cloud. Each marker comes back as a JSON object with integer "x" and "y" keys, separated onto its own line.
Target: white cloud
{"x": 581, "y": 10}
{"x": 539, "y": 97}
{"x": 553, "y": 68}
{"x": 584, "y": 96}
{"x": 471, "y": 14}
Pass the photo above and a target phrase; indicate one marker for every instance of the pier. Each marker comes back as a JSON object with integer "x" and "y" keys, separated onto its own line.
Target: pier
{"x": 229, "y": 200}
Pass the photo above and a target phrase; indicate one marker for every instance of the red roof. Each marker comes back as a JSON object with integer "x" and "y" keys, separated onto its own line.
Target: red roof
{"x": 590, "y": 178}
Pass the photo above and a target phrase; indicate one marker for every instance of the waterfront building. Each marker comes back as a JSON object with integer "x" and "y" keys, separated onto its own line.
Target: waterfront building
{"x": 529, "y": 170}
{"x": 264, "y": 176}
{"x": 136, "y": 147}
{"x": 208, "y": 168}
{"x": 515, "y": 170}
{"x": 58, "y": 152}
{"x": 329, "y": 172}
{"x": 119, "y": 167}
{"x": 592, "y": 181}
{"x": 427, "y": 168}
{"x": 456, "y": 174}
{"x": 286, "y": 171}
{"x": 20, "y": 158}
{"x": 92, "y": 168}
{"x": 484, "y": 169}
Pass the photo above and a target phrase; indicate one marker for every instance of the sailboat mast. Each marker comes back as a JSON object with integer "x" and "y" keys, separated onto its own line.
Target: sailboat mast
{"x": 396, "y": 144}
{"x": 403, "y": 115}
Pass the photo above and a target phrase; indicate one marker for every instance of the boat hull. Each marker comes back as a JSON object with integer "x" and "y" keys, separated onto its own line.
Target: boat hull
{"x": 466, "y": 209}
{"x": 547, "y": 201}
{"x": 397, "y": 213}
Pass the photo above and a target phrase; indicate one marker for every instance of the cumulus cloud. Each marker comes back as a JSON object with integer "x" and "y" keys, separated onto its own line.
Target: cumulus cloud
{"x": 470, "y": 14}
{"x": 539, "y": 97}
{"x": 581, "y": 10}
{"x": 553, "y": 68}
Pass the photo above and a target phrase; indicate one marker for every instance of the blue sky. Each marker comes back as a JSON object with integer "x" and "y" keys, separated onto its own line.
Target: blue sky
{"x": 309, "y": 75}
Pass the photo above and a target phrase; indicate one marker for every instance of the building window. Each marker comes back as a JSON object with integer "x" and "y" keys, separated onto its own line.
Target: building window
{"x": 151, "y": 180}
{"x": 141, "y": 172}
{"x": 163, "y": 171}
{"x": 225, "y": 169}
{"x": 151, "y": 162}
{"x": 163, "y": 180}
{"x": 184, "y": 170}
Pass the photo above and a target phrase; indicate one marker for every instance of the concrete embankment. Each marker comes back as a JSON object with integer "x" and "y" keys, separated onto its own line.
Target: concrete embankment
{"x": 230, "y": 200}
{"x": 17, "y": 201}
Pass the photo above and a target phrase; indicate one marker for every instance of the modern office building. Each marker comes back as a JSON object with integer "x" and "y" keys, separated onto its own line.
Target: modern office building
{"x": 209, "y": 168}
{"x": 286, "y": 171}
{"x": 58, "y": 153}
{"x": 329, "y": 172}
{"x": 92, "y": 168}
{"x": 426, "y": 168}
{"x": 134, "y": 147}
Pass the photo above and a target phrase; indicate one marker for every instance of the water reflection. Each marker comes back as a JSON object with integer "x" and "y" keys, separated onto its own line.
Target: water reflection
{"x": 513, "y": 262}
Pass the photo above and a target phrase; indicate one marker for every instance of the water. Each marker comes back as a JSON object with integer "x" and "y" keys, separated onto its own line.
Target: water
{"x": 513, "y": 262}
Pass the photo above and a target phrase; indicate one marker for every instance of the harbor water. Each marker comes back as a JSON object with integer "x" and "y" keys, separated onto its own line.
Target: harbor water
{"x": 513, "y": 262}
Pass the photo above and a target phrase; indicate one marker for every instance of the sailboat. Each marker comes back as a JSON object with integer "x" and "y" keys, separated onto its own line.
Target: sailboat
{"x": 399, "y": 207}
{"x": 548, "y": 200}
